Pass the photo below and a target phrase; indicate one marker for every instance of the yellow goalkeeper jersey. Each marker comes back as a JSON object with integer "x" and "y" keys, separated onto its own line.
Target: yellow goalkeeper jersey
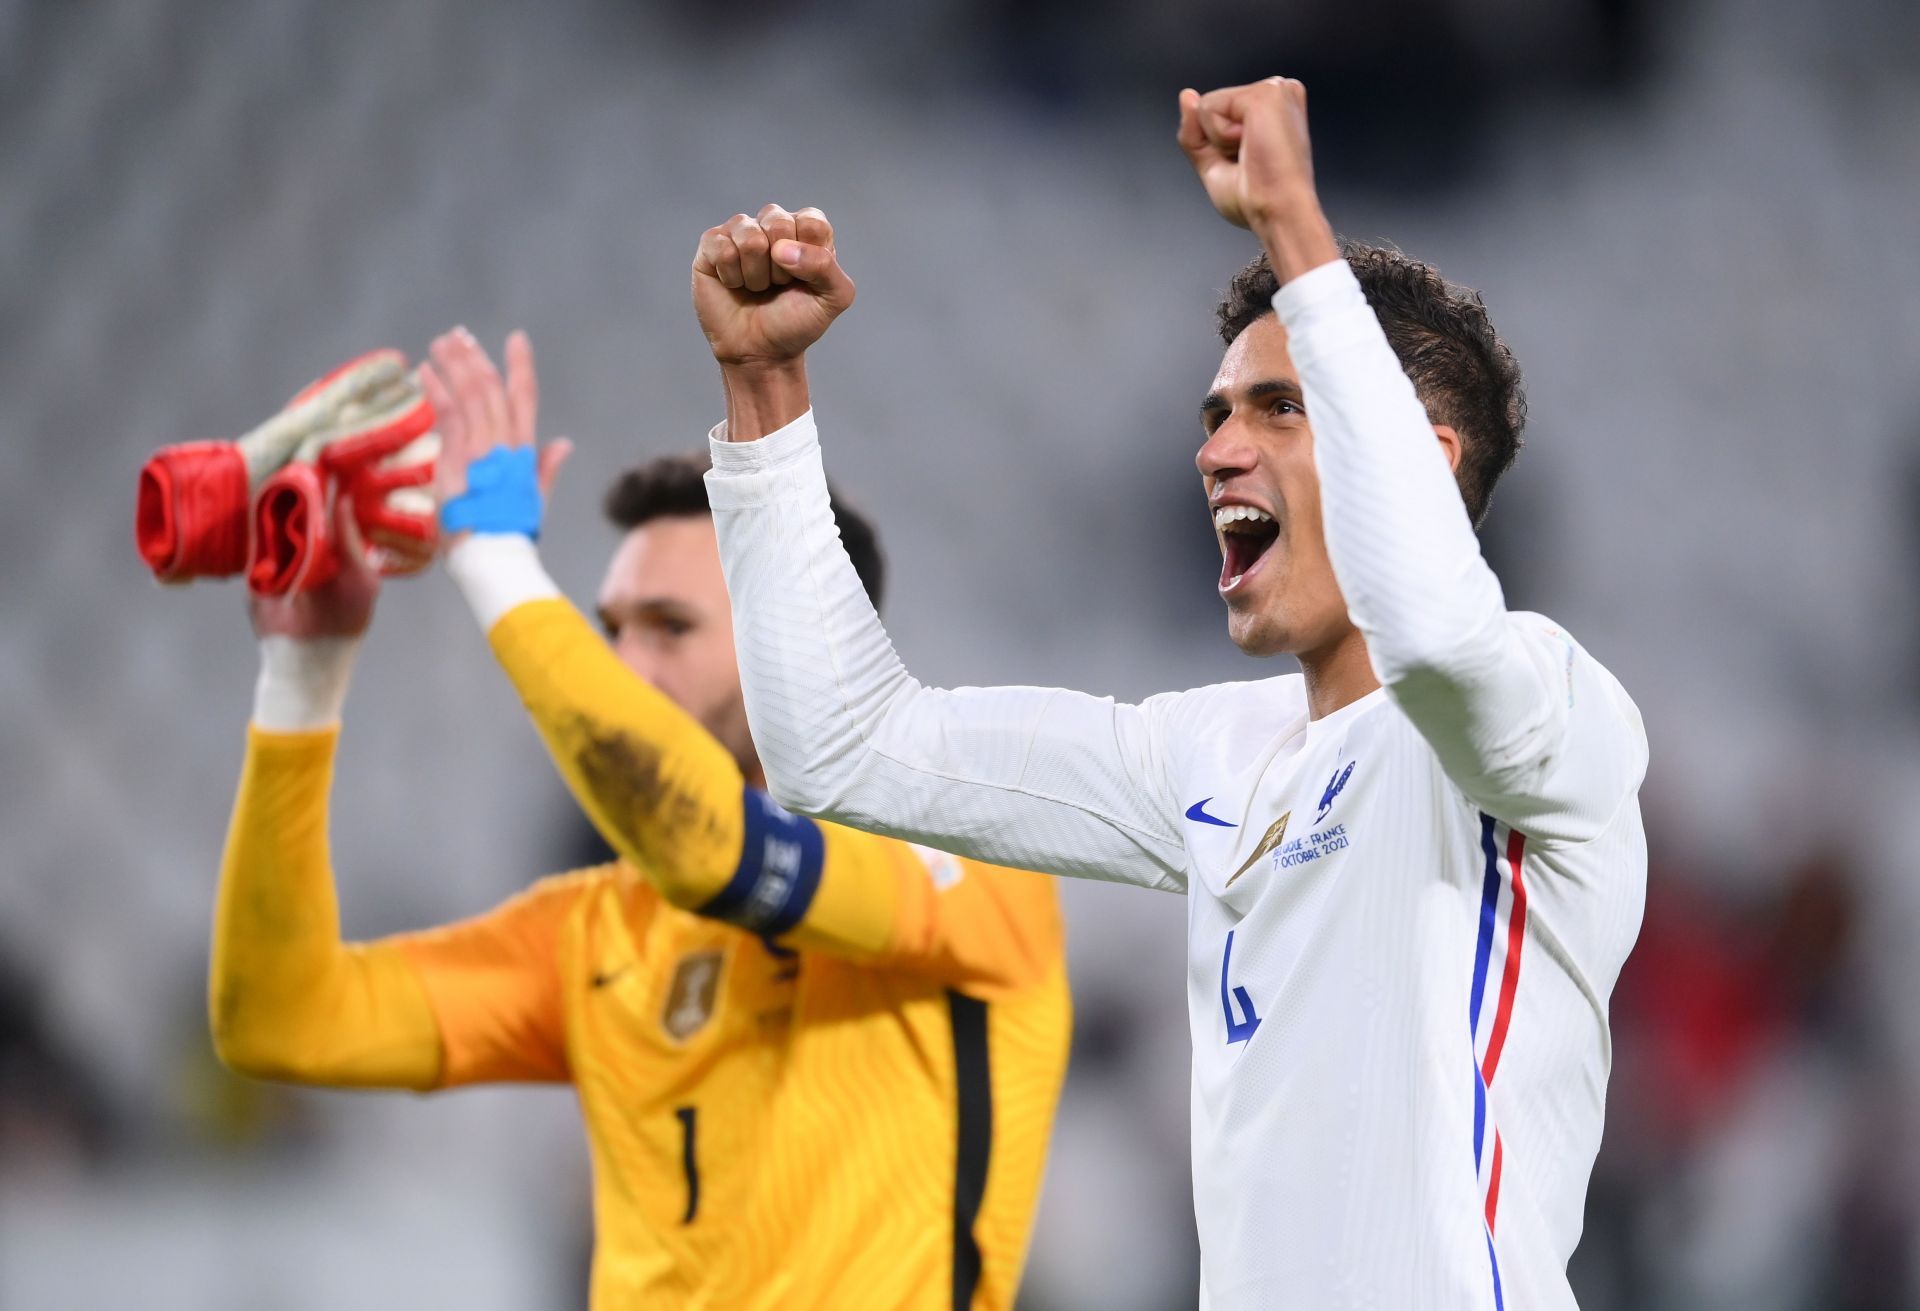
{"x": 817, "y": 1067}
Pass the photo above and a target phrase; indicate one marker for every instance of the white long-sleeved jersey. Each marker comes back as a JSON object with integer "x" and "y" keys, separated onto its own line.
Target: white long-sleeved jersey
{"x": 1404, "y": 918}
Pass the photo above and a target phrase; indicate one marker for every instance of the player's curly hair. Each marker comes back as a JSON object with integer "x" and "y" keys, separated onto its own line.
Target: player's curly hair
{"x": 1462, "y": 371}
{"x": 675, "y": 486}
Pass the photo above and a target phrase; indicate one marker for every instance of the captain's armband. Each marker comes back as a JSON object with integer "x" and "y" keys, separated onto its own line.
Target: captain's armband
{"x": 778, "y": 874}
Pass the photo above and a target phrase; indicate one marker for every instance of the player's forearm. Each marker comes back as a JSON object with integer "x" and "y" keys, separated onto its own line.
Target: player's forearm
{"x": 656, "y": 785}
{"x": 1397, "y": 532}
{"x": 783, "y": 581}
{"x": 845, "y": 732}
{"x": 287, "y": 999}
{"x": 672, "y": 802}
{"x": 1398, "y": 536}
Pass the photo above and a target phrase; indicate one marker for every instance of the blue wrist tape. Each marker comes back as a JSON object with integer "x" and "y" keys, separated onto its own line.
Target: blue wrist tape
{"x": 778, "y": 874}
{"x": 502, "y": 496}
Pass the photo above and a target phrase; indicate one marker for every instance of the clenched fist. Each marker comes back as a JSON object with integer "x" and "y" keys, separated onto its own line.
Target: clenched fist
{"x": 1249, "y": 145}
{"x": 767, "y": 287}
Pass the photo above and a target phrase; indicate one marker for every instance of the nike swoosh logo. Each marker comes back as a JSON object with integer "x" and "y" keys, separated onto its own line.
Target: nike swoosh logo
{"x": 1198, "y": 814}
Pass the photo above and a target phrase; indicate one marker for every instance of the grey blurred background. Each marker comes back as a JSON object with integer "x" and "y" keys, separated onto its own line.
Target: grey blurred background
{"x": 1693, "y": 220}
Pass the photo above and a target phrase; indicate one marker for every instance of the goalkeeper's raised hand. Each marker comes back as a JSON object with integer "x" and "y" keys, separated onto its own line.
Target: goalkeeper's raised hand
{"x": 765, "y": 289}
{"x": 494, "y": 475}
{"x": 340, "y": 608}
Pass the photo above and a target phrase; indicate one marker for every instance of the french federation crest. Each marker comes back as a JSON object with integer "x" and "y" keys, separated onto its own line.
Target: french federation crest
{"x": 691, "y": 995}
{"x": 1334, "y": 787}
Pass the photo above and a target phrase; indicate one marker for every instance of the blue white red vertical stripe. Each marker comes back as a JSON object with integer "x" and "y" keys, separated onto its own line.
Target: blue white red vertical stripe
{"x": 1502, "y": 934}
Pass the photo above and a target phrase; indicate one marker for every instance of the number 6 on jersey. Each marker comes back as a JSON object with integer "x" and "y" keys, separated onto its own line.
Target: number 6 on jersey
{"x": 1241, "y": 1029}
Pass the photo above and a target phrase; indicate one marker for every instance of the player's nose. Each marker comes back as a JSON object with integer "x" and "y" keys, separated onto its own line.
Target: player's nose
{"x": 637, "y": 656}
{"x": 1226, "y": 451}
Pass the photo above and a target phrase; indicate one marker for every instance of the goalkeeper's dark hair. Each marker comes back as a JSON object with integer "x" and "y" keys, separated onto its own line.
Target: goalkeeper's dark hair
{"x": 674, "y": 486}
{"x": 1464, "y": 374}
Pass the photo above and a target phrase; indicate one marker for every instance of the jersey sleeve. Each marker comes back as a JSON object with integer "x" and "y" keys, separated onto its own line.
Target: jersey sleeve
{"x": 1035, "y": 778}
{"x": 471, "y": 1002}
{"x": 670, "y": 799}
{"x": 494, "y": 983}
{"x": 1529, "y": 726}
{"x": 658, "y": 787}
{"x": 287, "y": 998}
{"x": 978, "y": 928}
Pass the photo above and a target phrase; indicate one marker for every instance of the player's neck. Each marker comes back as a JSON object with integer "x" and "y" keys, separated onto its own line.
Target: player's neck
{"x": 1338, "y": 675}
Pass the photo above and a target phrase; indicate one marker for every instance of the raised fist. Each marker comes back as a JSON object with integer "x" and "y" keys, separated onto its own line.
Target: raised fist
{"x": 767, "y": 287}
{"x": 1249, "y": 145}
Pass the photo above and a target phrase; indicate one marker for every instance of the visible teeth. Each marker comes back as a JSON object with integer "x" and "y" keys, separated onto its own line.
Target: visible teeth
{"x": 1226, "y": 515}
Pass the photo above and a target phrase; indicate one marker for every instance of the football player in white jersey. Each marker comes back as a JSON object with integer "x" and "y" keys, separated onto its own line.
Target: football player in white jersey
{"x": 1413, "y": 870}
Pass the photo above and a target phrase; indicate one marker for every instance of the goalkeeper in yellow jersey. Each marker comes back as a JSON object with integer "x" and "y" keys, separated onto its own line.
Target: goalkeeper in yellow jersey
{"x": 817, "y": 1067}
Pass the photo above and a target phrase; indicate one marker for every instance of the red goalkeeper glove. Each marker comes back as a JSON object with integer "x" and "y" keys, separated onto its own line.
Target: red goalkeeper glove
{"x": 200, "y": 503}
{"x": 380, "y": 455}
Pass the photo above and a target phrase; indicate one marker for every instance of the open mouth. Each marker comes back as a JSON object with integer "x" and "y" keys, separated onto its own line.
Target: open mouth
{"x": 1246, "y": 532}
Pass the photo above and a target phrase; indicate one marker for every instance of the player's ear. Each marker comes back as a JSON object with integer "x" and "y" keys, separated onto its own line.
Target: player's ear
{"x": 1449, "y": 444}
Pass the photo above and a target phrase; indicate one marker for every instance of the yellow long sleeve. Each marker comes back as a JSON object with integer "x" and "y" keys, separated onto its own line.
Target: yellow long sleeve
{"x": 658, "y": 787}
{"x": 662, "y": 792}
{"x": 287, "y": 999}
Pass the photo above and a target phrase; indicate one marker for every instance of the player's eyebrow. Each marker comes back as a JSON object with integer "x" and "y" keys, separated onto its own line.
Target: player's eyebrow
{"x": 665, "y": 607}
{"x": 647, "y": 609}
{"x": 1216, "y": 402}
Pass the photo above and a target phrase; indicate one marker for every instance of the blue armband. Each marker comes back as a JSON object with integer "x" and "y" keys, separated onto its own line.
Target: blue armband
{"x": 502, "y": 496}
{"x": 779, "y": 870}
